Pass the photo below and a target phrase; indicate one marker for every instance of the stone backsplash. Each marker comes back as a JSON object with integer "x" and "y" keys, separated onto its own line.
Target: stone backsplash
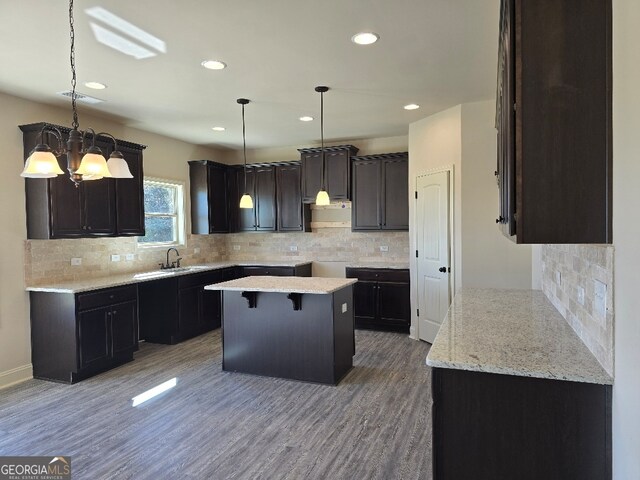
{"x": 48, "y": 261}
{"x": 569, "y": 278}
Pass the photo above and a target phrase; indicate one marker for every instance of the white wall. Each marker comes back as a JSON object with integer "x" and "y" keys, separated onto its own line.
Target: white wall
{"x": 164, "y": 158}
{"x": 626, "y": 237}
{"x": 489, "y": 259}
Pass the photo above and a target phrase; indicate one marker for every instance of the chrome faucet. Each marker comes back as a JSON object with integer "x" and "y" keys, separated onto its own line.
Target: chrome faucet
{"x": 175, "y": 264}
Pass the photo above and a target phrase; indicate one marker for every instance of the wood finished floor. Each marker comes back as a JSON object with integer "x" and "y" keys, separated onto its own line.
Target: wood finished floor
{"x": 214, "y": 425}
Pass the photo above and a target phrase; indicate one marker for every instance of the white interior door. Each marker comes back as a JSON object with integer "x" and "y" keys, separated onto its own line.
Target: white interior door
{"x": 433, "y": 245}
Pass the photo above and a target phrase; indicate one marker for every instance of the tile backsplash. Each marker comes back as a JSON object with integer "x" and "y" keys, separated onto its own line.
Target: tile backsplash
{"x": 48, "y": 261}
{"x": 578, "y": 280}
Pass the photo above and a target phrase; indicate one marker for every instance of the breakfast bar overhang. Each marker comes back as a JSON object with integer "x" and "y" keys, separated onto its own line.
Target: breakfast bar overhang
{"x": 299, "y": 328}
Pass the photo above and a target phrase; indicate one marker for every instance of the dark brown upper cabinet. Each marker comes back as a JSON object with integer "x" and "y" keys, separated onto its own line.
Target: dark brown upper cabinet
{"x": 292, "y": 214}
{"x": 56, "y": 208}
{"x": 261, "y": 185}
{"x": 553, "y": 116}
{"x": 209, "y": 189}
{"x": 338, "y": 172}
{"x": 380, "y": 192}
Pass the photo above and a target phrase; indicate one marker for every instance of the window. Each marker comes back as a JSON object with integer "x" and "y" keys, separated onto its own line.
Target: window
{"x": 163, "y": 213}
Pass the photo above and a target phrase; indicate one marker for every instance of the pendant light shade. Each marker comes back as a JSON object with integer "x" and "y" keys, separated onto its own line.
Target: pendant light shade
{"x": 246, "y": 201}
{"x": 94, "y": 164}
{"x": 42, "y": 163}
{"x": 118, "y": 166}
{"x": 323, "y": 197}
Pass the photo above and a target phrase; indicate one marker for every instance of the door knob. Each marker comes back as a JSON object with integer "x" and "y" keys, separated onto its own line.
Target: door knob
{"x": 443, "y": 269}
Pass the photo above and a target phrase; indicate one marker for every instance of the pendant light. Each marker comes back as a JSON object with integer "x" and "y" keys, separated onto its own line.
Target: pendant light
{"x": 323, "y": 197}
{"x": 246, "y": 201}
{"x": 83, "y": 162}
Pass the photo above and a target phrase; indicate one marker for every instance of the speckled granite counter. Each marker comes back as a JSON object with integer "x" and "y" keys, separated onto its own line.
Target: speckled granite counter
{"x": 88, "y": 284}
{"x": 313, "y": 285}
{"x": 512, "y": 332}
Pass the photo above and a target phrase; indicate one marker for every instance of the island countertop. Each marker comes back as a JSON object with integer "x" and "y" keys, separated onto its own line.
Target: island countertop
{"x": 313, "y": 285}
{"x": 512, "y": 332}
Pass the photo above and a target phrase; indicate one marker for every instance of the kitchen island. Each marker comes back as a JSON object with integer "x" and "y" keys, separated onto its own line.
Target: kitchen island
{"x": 298, "y": 328}
{"x": 516, "y": 394}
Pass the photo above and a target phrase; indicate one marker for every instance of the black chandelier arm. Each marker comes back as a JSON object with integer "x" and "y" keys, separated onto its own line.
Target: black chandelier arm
{"x": 93, "y": 138}
{"x": 60, "y": 148}
{"x": 108, "y": 135}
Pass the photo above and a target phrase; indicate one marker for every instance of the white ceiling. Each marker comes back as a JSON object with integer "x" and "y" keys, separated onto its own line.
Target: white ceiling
{"x": 437, "y": 53}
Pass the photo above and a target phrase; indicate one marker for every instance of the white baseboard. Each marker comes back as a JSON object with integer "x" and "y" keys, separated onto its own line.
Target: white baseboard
{"x": 16, "y": 375}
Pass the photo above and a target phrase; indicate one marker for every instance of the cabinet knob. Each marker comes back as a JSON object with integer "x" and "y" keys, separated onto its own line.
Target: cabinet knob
{"x": 111, "y": 296}
{"x": 89, "y": 228}
{"x": 115, "y": 312}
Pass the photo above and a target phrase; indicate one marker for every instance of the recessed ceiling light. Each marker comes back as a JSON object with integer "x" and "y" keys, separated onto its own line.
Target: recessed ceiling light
{"x": 411, "y": 106}
{"x": 218, "y": 129}
{"x": 214, "y": 64}
{"x": 365, "y": 38}
{"x": 95, "y": 85}
{"x": 306, "y": 119}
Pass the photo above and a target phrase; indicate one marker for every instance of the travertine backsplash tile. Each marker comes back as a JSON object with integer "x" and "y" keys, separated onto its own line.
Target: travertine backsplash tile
{"x": 566, "y": 269}
{"x": 48, "y": 261}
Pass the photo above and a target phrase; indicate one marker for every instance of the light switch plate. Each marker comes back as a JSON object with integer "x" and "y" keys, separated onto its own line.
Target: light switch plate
{"x": 76, "y": 261}
{"x": 130, "y": 257}
{"x": 580, "y": 295}
{"x": 236, "y": 247}
{"x": 384, "y": 248}
{"x": 115, "y": 258}
{"x": 558, "y": 278}
{"x": 344, "y": 308}
{"x": 293, "y": 248}
{"x": 196, "y": 250}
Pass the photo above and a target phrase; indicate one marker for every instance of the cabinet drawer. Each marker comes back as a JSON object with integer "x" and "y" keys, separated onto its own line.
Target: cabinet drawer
{"x": 379, "y": 274}
{"x": 199, "y": 279}
{"x": 108, "y": 296}
{"x": 269, "y": 271}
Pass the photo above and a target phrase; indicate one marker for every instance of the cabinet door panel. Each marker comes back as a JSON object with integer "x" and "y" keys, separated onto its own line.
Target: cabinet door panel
{"x": 130, "y": 196}
{"x": 99, "y": 206}
{"x": 395, "y": 194}
{"x": 265, "y": 199}
{"x": 188, "y": 312}
{"x": 218, "y": 200}
{"x": 311, "y": 176}
{"x": 366, "y": 196}
{"x": 246, "y": 217}
{"x": 210, "y": 314}
{"x": 93, "y": 337}
{"x": 393, "y": 303}
{"x": 338, "y": 175}
{"x": 66, "y": 206}
{"x": 364, "y": 301}
{"x": 289, "y": 199}
{"x": 123, "y": 327}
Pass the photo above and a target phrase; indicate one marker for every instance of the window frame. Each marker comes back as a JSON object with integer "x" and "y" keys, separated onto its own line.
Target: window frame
{"x": 178, "y": 215}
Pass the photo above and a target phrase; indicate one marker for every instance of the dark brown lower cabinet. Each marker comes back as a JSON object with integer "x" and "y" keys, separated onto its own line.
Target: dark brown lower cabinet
{"x": 381, "y": 298}
{"x": 75, "y": 336}
{"x": 274, "y": 271}
{"x": 491, "y": 426}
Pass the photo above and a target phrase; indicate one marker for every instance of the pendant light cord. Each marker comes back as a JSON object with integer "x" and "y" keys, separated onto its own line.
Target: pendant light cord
{"x": 244, "y": 149}
{"x": 322, "y": 185}
{"x": 72, "y": 58}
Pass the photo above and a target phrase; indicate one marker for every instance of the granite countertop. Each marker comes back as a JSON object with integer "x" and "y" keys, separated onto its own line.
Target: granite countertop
{"x": 88, "y": 284}
{"x": 314, "y": 285}
{"x": 512, "y": 332}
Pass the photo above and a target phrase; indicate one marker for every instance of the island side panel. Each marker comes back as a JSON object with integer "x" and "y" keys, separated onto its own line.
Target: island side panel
{"x": 275, "y": 340}
{"x": 343, "y": 328}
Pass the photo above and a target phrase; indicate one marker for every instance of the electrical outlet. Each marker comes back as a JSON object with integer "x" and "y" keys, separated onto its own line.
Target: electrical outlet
{"x": 115, "y": 258}
{"x": 196, "y": 250}
{"x": 76, "y": 261}
{"x": 344, "y": 308}
{"x": 293, "y": 248}
{"x": 581, "y": 295}
{"x": 236, "y": 247}
{"x": 384, "y": 248}
{"x": 130, "y": 257}
{"x": 600, "y": 298}
{"x": 558, "y": 278}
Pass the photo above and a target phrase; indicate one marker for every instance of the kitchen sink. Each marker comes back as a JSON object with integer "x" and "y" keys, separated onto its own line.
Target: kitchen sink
{"x": 145, "y": 275}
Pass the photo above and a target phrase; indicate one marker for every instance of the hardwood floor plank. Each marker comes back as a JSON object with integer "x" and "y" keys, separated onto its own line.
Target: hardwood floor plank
{"x": 376, "y": 424}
